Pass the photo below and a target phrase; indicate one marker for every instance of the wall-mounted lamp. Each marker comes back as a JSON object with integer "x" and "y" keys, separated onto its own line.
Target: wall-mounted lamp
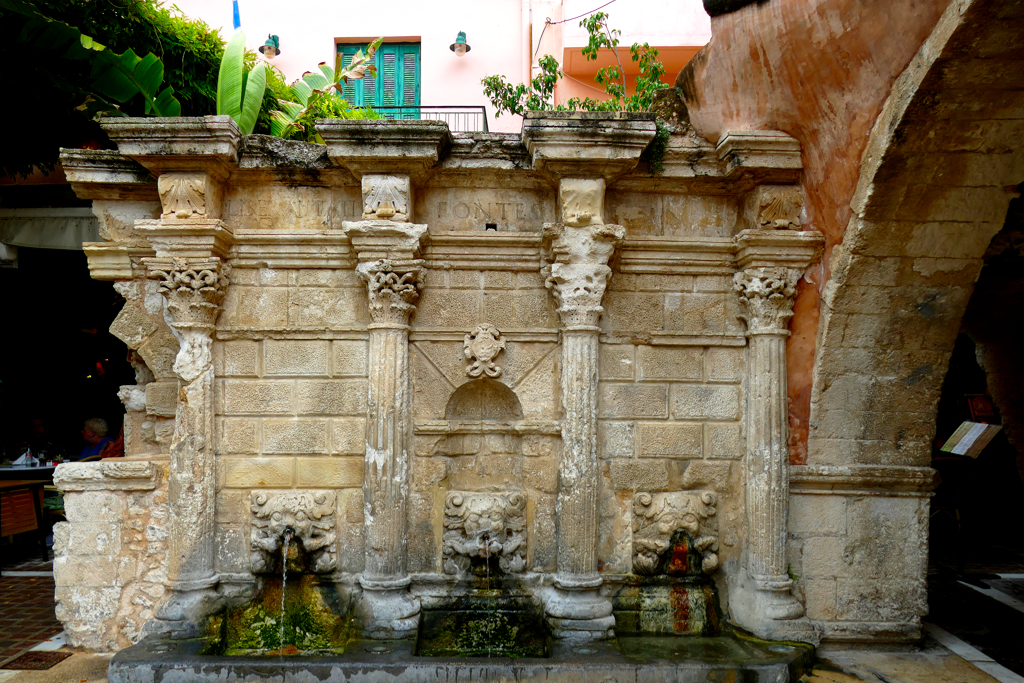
{"x": 272, "y": 47}
{"x": 460, "y": 46}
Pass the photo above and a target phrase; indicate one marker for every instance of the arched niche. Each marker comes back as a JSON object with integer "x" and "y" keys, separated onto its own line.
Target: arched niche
{"x": 483, "y": 399}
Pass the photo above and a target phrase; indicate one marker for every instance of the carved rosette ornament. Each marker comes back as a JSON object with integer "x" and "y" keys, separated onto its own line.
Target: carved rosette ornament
{"x": 482, "y": 526}
{"x": 767, "y": 295}
{"x": 481, "y": 347}
{"x": 673, "y": 533}
{"x": 393, "y": 288}
{"x": 310, "y": 515}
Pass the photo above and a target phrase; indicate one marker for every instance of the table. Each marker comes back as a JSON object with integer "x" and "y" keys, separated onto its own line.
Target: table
{"x": 33, "y": 473}
{"x": 21, "y": 509}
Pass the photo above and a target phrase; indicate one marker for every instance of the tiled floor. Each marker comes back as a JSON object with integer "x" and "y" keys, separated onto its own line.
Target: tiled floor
{"x": 26, "y": 614}
{"x": 26, "y": 602}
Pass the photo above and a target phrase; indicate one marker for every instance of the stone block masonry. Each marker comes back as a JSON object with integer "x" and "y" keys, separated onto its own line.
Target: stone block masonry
{"x": 414, "y": 367}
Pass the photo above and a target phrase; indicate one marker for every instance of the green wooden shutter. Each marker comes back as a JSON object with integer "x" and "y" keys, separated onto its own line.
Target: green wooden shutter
{"x": 353, "y": 91}
{"x": 397, "y": 83}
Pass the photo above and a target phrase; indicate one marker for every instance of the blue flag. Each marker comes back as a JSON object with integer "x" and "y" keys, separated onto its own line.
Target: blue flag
{"x": 238, "y": 22}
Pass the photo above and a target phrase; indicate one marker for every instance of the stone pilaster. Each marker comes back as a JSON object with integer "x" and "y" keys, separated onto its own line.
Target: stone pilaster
{"x": 387, "y": 254}
{"x": 193, "y": 291}
{"x": 577, "y": 277}
{"x": 767, "y": 295}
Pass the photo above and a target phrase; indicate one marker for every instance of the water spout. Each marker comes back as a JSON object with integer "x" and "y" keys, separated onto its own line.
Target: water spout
{"x": 284, "y": 581}
{"x": 487, "y": 559}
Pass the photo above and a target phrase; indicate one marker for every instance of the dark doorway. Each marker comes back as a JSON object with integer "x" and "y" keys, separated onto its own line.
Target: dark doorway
{"x": 61, "y": 364}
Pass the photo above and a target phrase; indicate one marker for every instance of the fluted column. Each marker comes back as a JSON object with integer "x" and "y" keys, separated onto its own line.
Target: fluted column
{"x": 577, "y": 277}
{"x": 767, "y": 295}
{"x": 393, "y": 277}
{"x": 193, "y": 290}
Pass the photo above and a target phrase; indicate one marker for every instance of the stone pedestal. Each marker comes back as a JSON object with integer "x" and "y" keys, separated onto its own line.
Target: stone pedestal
{"x": 387, "y": 253}
{"x": 578, "y": 276}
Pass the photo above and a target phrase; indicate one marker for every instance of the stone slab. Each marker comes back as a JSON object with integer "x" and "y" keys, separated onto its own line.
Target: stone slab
{"x": 161, "y": 659}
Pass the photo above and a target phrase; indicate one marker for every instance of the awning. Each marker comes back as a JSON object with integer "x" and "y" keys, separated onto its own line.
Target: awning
{"x": 48, "y": 228}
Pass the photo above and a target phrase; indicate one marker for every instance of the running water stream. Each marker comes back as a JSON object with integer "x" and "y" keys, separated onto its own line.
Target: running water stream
{"x": 284, "y": 582}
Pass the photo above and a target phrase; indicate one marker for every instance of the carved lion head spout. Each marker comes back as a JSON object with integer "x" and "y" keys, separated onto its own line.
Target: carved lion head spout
{"x": 304, "y": 520}
{"x": 487, "y": 527}
{"x": 673, "y": 533}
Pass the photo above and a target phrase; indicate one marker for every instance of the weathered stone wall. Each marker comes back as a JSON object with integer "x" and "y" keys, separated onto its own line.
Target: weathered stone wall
{"x": 110, "y": 555}
{"x": 512, "y": 353}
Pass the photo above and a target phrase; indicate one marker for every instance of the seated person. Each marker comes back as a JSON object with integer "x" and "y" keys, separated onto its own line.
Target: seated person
{"x": 94, "y": 432}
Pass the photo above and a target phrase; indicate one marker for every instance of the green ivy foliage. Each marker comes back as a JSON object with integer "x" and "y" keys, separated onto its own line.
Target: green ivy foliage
{"x": 35, "y": 72}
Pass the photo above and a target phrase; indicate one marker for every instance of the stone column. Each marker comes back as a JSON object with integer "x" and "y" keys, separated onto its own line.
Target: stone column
{"x": 387, "y": 263}
{"x": 578, "y": 275}
{"x": 767, "y": 294}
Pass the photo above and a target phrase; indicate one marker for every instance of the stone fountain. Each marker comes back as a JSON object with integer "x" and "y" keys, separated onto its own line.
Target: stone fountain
{"x": 489, "y": 401}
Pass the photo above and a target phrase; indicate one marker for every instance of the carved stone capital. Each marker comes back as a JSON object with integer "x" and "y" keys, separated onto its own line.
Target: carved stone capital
{"x": 767, "y": 295}
{"x": 481, "y": 347}
{"x": 666, "y": 522}
{"x": 578, "y": 270}
{"x": 481, "y": 526}
{"x": 310, "y": 515}
{"x": 393, "y": 287}
{"x": 193, "y": 291}
{"x": 387, "y": 197}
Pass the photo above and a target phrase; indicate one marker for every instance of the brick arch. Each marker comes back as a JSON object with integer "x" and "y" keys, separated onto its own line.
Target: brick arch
{"x": 937, "y": 177}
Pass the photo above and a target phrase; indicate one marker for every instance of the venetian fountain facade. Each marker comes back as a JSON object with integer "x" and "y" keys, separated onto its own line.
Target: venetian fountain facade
{"x": 412, "y": 349}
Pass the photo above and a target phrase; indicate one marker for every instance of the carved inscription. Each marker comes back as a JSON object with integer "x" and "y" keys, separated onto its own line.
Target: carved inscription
{"x": 294, "y": 207}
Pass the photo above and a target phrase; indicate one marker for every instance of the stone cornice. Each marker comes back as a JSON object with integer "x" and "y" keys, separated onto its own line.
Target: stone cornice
{"x": 586, "y": 144}
{"x": 849, "y": 480}
{"x": 108, "y": 260}
{"x": 106, "y": 174}
{"x": 756, "y": 149}
{"x": 105, "y": 475}
{"x": 787, "y": 248}
{"x": 412, "y": 148}
{"x": 208, "y": 143}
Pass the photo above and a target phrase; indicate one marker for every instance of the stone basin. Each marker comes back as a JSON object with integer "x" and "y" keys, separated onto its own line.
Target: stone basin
{"x": 628, "y": 658}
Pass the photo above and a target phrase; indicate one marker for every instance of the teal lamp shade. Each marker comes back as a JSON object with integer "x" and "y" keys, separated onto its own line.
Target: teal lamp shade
{"x": 460, "y": 46}
{"x": 272, "y": 47}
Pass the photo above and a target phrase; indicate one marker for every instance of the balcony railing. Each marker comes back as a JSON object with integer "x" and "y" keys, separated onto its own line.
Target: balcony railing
{"x": 468, "y": 119}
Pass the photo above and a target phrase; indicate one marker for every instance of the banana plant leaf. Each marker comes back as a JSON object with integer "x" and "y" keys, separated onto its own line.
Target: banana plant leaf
{"x": 230, "y": 79}
{"x": 113, "y": 79}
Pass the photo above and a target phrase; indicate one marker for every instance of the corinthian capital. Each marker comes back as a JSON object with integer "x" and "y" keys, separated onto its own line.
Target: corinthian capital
{"x": 578, "y": 272}
{"x": 767, "y": 294}
{"x": 394, "y": 289}
{"x": 193, "y": 291}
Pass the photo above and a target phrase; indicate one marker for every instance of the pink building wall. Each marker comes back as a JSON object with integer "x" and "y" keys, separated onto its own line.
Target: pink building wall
{"x": 503, "y": 34}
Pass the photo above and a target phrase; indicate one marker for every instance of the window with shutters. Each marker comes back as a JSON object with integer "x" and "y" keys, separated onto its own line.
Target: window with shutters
{"x": 397, "y": 83}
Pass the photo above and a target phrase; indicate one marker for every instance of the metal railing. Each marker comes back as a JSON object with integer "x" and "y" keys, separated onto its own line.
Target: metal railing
{"x": 467, "y": 119}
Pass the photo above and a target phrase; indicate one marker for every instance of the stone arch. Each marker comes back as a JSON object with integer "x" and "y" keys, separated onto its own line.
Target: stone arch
{"x": 937, "y": 177}
{"x": 483, "y": 399}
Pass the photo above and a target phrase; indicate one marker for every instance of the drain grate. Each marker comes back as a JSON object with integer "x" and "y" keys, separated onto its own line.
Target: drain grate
{"x": 36, "y": 661}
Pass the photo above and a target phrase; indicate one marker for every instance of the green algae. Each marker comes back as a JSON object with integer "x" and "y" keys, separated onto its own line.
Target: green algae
{"x": 313, "y": 621}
